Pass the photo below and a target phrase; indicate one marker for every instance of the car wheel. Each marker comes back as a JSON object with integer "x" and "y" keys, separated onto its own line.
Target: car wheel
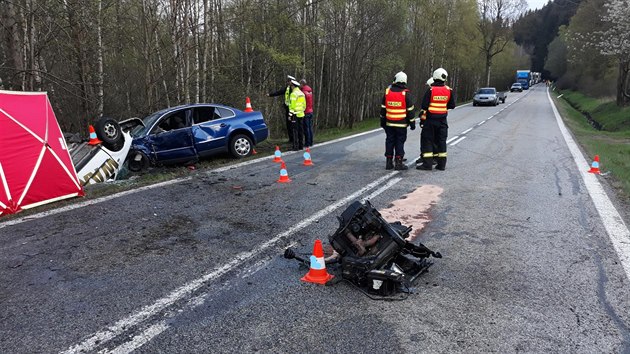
{"x": 474, "y": 104}
{"x": 241, "y": 146}
{"x": 109, "y": 132}
{"x": 137, "y": 161}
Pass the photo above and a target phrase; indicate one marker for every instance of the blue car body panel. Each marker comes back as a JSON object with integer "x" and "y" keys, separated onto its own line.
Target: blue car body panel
{"x": 194, "y": 131}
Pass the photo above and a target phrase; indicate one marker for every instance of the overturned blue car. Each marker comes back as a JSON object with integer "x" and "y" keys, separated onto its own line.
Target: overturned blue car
{"x": 187, "y": 133}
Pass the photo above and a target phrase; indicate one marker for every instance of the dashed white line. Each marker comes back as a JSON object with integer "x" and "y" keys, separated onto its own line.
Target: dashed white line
{"x": 458, "y": 140}
{"x": 481, "y": 123}
{"x": 451, "y": 139}
{"x": 148, "y": 311}
{"x": 138, "y": 340}
{"x": 466, "y": 131}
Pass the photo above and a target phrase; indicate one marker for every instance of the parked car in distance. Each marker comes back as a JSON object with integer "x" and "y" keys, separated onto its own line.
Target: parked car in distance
{"x": 486, "y": 96}
{"x": 186, "y": 133}
{"x": 516, "y": 87}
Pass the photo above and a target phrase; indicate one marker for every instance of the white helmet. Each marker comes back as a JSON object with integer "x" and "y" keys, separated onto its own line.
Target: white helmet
{"x": 440, "y": 74}
{"x": 400, "y": 77}
{"x": 430, "y": 81}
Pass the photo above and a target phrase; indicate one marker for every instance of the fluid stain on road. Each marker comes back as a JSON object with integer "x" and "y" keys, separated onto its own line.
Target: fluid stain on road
{"x": 413, "y": 209}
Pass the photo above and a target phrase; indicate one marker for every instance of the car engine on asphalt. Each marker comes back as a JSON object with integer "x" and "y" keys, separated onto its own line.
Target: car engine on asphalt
{"x": 373, "y": 254}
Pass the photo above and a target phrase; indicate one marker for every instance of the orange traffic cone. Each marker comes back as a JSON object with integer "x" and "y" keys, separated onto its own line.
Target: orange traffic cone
{"x": 248, "y": 105}
{"x": 318, "y": 273}
{"x": 595, "y": 166}
{"x": 254, "y": 152}
{"x": 307, "y": 158}
{"x": 277, "y": 155}
{"x": 284, "y": 176}
{"x": 93, "y": 138}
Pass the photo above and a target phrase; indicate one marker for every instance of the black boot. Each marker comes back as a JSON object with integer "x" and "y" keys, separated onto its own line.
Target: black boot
{"x": 389, "y": 164}
{"x": 441, "y": 163}
{"x": 399, "y": 164}
{"x": 427, "y": 164}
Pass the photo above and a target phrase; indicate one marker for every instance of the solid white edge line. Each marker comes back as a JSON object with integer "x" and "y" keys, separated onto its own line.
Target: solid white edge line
{"x": 89, "y": 202}
{"x": 146, "y": 312}
{"x": 466, "y": 131}
{"x": 458, "y": 140}
{"x": 614, "y": 224}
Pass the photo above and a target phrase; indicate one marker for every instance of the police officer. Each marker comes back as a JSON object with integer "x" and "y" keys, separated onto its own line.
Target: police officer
{"x": 436, "y": 101}
{"x": 396, "y": 115}
{"x": 286, "y": 91}
{"x": 297, "y": 105}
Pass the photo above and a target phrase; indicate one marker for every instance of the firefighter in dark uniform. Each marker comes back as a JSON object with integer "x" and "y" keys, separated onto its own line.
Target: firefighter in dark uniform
{"x": 396, "y": 115}
{"x": 436, "y": 101}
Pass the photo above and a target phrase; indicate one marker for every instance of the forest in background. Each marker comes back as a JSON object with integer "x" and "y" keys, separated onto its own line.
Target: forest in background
{"x": 128, "y": 58}
{"x": 584, "y": 45}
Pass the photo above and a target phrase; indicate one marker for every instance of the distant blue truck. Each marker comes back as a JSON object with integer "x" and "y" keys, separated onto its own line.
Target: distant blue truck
{"x": 524, "y": 77}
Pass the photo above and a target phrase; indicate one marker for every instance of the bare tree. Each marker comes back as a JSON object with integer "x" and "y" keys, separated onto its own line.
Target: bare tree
{"x": 615, "y": 41}
{"x": 494, "y": 25}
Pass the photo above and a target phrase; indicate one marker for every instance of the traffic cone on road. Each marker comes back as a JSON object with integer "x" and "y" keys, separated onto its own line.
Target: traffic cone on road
{"x": 307, "y": 158}
{"x": 277, "y": 155}
{"x": 284, "y": 176}
{"x": 595, "y": 166}
{"x": 94, "y": 140}
{"x": 317, "y": 273}
{"x": 248, "y": 105}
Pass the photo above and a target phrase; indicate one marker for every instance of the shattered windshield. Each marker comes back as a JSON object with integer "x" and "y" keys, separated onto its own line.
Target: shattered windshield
{"x": 148, "y": 123}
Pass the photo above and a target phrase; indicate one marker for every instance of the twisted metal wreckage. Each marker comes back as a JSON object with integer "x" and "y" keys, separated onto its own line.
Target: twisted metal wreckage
{"x": 374, "y": 254}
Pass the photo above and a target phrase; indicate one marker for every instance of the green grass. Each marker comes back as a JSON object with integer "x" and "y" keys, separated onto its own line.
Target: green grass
{"x": 160, "y": 174}
{"x": 613, "y": 147}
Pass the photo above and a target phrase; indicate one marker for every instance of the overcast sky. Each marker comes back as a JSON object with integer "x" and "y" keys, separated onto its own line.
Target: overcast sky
{"x": 536, "y": 4}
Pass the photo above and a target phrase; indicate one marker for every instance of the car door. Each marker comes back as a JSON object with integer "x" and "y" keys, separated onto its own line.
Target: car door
{"x": 171, "y": 138}
{"x": 211, "y": 125}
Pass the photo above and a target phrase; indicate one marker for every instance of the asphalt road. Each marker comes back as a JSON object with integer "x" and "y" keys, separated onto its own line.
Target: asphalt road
{"x": 196, "y": 265}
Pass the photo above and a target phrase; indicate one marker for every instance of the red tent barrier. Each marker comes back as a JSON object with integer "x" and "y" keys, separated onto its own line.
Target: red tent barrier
{"x": 35, "y": 166}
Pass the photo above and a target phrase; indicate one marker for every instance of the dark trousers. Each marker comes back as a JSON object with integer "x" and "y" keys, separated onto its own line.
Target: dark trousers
{"x": 433, "y": 141}
{"x": 298, "y": 134}
{"x": 308, "y": 129}
{"x": 289, "y": 128}
{"x": 395, "y": 141}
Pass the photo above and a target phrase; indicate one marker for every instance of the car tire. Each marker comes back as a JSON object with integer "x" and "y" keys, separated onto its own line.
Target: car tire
{"x": 110, "y": 133}
{"x": 474, "y": 104}
{"x": 241, "y": 146}
{"x": 137, "y": 161}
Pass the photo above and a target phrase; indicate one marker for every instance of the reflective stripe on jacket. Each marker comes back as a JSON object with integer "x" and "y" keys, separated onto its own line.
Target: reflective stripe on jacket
{"x": 287, "y": 95}
{"x": 396, "y": 108}
{"x": 297, "y": 103}
{"x": 439, "y": 98}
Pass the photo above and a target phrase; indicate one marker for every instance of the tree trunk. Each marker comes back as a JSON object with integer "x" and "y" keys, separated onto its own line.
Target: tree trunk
{"x": 623, "y": 83}
{"x": 99, "y": 60}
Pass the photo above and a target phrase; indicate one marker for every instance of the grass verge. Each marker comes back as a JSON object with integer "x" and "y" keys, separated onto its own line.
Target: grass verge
{"x": 612, "y": 143}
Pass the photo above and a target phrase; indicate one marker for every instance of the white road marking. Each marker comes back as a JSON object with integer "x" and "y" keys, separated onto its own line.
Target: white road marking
{"x": 382, "y": 189}
{"x": 89, "y": 202}
{"x": 481, "y": 123}
{"x": 451, "y": 139}
{"x": 614, "y": 224}
{"x": 150, "y": 310}
{"x": 465, "y": 131}
{"x": 139, "y": 340}
{"x": 458, "y": 140}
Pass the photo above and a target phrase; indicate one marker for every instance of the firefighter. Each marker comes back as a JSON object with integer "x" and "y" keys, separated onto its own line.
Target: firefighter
{"x": 286, "y": 91}
{"x": 297, "y": 105}
{"x": 438, "y": 99}
{"x": 396, "y": 115}
{"x": 423, "y": 117}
